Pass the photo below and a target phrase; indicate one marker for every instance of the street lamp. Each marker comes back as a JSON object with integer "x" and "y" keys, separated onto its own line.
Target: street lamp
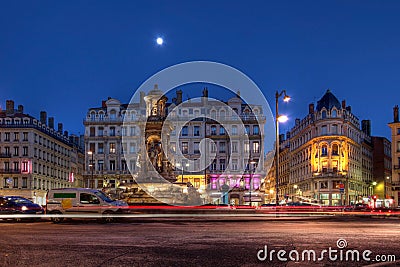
{"x": 91, "y": 166}
{"x": 252, "y": 171}
{"x": 278, "y": 118}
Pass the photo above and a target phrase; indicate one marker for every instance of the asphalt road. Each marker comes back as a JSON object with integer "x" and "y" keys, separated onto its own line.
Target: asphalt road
{"x": 166, "y": 242}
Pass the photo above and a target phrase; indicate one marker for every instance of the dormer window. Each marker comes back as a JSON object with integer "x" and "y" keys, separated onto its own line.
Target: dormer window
{"x": 113, "y": 115}
{"x": 323, "y": 114}
{"x": 334, "y": 113}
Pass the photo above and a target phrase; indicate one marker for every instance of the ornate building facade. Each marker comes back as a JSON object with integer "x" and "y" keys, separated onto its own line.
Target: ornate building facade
{"x": 328, "y": 156}
{"x": 205, "y": 132}
{"x": 395, "y": 130}
{"x": 34, "y": 157}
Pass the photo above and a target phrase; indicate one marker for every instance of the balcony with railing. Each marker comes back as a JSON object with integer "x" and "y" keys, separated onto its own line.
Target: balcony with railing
{"x": 9, "y": 171}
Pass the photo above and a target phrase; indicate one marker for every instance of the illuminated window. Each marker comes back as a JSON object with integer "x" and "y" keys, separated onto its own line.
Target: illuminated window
{"x": 185, "y": 147}
{"x": 256, "y": 147}
{"x": 112, "y": 148}
{"x": 335, "y": 166}
{"x": 24, "y": 166}
{"x": 246, "y": 147}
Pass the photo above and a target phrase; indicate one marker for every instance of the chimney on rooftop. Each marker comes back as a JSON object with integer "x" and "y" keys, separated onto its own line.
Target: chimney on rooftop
{"x": 60, "y": 128}
{"x": 20, "y": 109}
{"x": 178, "y": 97}
{"x": 43, "y": 117}
{"x": 396, "y": 113}
{"x": 9, "y": 106}
{"x": 311, "y": 108}
{"x": 366, "y": 127}
{"x": 51, "y": 122}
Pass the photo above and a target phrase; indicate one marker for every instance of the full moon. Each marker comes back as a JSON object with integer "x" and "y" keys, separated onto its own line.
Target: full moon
{"x": 160, "y": 41}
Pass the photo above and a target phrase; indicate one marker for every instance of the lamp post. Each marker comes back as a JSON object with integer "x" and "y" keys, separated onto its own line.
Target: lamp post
{"x": 91, "y": 166}
{"x": 278, "y": 118}
{"x": 252, "y": 171}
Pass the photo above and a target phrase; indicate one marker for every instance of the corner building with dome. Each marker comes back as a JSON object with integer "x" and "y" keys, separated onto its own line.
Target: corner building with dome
{"x": 328, "y": 155}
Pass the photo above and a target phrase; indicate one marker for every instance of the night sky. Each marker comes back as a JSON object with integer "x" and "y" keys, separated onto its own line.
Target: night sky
{"x": 67, "y": 56}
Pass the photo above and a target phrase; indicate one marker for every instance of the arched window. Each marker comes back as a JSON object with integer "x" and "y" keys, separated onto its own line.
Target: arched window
{"x": 334, "y": 113}
{"x": 323, "y": 114}
{"x": 92, "y": 116}
{"x": 324, "y": 150}
{"x": 335, "y": 150}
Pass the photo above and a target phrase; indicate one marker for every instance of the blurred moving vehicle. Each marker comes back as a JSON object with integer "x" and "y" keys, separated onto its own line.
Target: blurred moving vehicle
{"x": 81, "y": 202}
{"x": 15, "y": 205}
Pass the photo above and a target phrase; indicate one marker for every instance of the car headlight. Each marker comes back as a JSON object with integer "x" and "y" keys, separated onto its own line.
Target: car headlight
{"x": 24, "y": 208}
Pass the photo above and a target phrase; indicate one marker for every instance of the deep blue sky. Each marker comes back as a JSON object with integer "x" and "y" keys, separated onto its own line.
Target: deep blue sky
{"x": 66, "y": 56}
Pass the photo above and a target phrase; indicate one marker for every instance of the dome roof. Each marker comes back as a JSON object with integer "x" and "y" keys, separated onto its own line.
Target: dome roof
{"x": 328, "y": 101}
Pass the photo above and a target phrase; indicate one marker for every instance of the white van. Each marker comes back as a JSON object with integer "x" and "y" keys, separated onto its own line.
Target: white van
{"x": 82, "y": 202}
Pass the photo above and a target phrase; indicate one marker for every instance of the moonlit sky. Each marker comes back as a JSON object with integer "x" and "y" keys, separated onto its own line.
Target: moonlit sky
{"x": 67, "y": 56}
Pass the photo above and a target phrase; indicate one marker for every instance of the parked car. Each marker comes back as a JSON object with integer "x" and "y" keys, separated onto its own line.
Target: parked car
{"x": 15, "y": 205}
